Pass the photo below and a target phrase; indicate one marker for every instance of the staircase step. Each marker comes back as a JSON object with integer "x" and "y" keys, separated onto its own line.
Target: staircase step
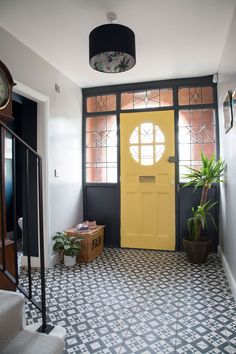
{"x": 27, "y": 342}
{"x": 11, "y": 315}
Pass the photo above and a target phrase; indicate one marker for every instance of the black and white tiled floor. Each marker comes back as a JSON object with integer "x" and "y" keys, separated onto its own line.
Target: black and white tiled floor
{"x": 137, "y": 301}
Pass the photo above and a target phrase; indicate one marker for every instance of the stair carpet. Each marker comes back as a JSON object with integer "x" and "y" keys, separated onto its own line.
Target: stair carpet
{"x": 14, "y": 337}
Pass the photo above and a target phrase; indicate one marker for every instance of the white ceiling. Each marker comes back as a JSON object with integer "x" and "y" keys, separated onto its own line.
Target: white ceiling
{"x": 174, "y": 38}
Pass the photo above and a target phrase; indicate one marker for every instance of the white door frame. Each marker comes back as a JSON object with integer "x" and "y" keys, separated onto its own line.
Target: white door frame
{"x": 42, "y": 149}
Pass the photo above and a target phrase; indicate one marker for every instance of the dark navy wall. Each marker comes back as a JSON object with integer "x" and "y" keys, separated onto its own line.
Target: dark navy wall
{"x": 102, "y": 204}
{"x": 24, "y": 125}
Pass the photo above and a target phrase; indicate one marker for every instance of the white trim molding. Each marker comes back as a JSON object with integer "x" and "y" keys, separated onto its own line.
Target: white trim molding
{"x": 35, "y": 261}
{"x": 229, "y": 275}
{"x": 42, "y": 147}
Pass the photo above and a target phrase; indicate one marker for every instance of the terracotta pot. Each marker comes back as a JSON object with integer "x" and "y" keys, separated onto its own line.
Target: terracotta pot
{"x": 197, "y": 251}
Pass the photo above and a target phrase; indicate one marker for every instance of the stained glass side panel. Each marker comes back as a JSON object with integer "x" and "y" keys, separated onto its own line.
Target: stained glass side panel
{"x": 147, "y": 99}
{"x": 195, "y": 95}
{"x": 197, "y": 132}
{"x": 101, "y": 149}
{"x": 101, "y": 103}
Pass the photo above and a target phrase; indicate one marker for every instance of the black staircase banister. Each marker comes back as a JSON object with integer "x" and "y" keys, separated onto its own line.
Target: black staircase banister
{"x": 14, "y": 207}
{"x": 45, "y": 328}
{"x": 21, "y": 140}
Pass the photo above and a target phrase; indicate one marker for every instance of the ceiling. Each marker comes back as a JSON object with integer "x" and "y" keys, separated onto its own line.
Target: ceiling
{"x": 174, "y": 38}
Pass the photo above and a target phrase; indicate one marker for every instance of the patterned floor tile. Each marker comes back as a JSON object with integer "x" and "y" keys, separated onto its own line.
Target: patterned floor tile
{"x": 136, "y": 301}
{"x": 201, "y": 348}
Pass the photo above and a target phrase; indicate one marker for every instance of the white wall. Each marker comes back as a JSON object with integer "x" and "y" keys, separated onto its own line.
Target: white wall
{"x": 60, "y": 133}
{"x": 227, "y": 81}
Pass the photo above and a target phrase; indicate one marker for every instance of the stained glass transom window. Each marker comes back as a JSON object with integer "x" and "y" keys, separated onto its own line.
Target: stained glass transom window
{"x": 197, "y": 132}
{"x": 147, "y": 99}
{"x": 101, "y": 149}
{"x": 147, "y": 144}
{"x": 195, "y": 95}
{"x": 101, "y": 103}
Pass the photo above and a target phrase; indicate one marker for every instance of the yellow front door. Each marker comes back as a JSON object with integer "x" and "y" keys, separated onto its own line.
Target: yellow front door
{"x": 147, "y": 180}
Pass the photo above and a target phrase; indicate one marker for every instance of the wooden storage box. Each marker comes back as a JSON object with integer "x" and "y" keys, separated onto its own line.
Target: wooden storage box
{"x": 92, "y": 243}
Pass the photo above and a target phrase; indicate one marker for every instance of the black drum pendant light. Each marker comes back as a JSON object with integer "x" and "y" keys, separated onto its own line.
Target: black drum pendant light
{"x": 112, "y": 47}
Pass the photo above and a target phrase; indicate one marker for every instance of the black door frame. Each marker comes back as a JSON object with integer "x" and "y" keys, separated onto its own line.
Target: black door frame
{"x": 117, "y": 90}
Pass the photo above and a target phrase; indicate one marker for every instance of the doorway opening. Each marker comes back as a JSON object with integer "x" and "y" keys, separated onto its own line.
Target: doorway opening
{"x": 25, "y": 126}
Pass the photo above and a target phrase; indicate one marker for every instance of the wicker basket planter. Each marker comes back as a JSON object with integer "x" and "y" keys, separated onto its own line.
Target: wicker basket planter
{"x": 197, "y": 251}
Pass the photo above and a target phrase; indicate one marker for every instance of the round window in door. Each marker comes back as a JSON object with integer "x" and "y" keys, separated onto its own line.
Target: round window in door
{"x": 147, "y": 144}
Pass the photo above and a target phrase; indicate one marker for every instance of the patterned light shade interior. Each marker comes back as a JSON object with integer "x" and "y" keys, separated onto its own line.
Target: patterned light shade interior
{"x": 112, "y": 48}
{"x": 112, "y": 62}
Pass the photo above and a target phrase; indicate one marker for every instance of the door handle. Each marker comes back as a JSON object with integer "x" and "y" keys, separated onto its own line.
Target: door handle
{"x": 172, "y": 159}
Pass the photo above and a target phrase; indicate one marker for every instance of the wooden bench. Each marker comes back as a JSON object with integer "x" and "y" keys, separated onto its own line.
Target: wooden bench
{"x": 92, "y": 243}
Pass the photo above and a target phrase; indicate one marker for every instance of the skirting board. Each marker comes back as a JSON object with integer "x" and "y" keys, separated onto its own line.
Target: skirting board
{"x": 35, "y": 261}
{"x": 228, "y": 272}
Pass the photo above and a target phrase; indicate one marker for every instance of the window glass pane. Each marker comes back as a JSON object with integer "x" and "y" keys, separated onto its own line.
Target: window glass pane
{"x": 91, "y": 155}
{"x": 101, "y": 123}
{"x": 147, "y": 99}
{"x": 91, "y": 139}
{"x": 184, "y": 135}
{"x": 101, "y": 149}
{"x": 111, "y": 154}
{"x": 111, "y": 138}
{"x": 197, "y": 132}
{"x": 147, "y": 155}
{"x": 134, "y": 150}
{"x": 195, "y": 95}
{"x": 101, "y": 103}
{"x": 147, "y": 144}
{"x": 146, "y": 133}
{"x": 101, "y": 174}
{"x": 209, "y": 149}
{"x": 184, "y": 152}
{"x": 101, "y": 155}
{"x": 166, "y": 97}
{"x": 196, "y": 151}
{"x": 91, "y": 174}
{"x": 207, "y": 95}
{"x": 127, "y": 100}
{"x": 91, "y": 125}
{"x": 134, "y": 139}
{"x": 111, "y": 123}
{"x": 111, "y": 175}
{"x": 159, "y": 152}
{"x": 159, "y": 136}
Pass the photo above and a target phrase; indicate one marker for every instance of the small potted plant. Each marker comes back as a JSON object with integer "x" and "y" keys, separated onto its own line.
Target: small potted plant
{"x": 197, "y": 245}
{"x": 68, "y": 245}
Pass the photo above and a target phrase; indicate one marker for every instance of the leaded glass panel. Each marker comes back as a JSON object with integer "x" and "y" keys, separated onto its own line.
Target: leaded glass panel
{"x": 195, "y": 95}
{"x": 146, "y": 144}
{"x": 197, "y": 132}
{"x": 147, "y": 99}
{"x": 101, "y": 103}
{"x": 101, "y": 149}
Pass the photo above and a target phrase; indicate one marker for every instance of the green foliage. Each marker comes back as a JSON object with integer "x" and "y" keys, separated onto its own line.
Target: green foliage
{"x": 211, "y": 171}
{"x": 68, "y": 245}
{"x": 198, "y": 221}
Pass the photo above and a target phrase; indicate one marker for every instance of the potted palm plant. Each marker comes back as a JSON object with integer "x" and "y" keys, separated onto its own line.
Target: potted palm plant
{"x": 67, "y": 245}
{"x": 197, "y": 245}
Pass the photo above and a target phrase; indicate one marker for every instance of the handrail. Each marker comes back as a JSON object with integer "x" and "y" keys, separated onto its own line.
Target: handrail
{"x": 41, "y": 307}
{"x": 20, "y": 140}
